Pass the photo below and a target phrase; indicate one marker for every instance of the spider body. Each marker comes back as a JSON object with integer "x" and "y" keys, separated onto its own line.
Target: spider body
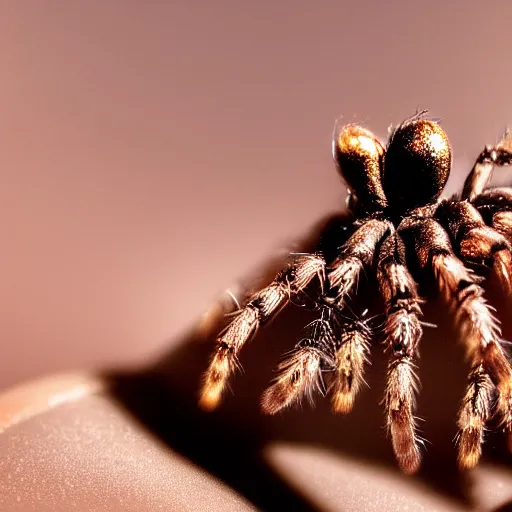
{"x": 398, "y": 226}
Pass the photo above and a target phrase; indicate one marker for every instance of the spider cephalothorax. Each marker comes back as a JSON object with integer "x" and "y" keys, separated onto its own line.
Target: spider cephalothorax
{"x": 397, "y": 223}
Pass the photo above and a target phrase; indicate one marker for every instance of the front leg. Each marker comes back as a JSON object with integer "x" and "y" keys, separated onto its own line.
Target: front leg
{"x": 402, "y": 331}
{"x": 263, "y": 306}
{"x": 357, "y": 253}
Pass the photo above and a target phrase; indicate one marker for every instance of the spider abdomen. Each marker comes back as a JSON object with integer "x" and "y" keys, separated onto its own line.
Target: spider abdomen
{"x": 416, "y": 165}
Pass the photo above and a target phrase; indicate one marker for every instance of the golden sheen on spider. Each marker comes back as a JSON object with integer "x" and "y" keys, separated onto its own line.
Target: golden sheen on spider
{"x": 396, "y": 227}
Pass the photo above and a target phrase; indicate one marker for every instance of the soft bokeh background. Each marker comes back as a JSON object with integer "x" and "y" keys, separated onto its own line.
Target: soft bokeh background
{"x": 151, "y": 152}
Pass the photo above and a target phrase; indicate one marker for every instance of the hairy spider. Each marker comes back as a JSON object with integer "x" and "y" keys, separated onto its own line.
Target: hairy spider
{"x": 397, "y": 225}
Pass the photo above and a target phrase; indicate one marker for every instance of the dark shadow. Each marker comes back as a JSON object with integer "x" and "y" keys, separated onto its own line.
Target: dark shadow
{"x": 229, "y": 442}
{"x": 504, "y": 508}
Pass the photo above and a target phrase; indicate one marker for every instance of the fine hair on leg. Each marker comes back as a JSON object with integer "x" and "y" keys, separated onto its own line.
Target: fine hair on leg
{"x": 352, "y": 354}
{"x": 357, "y": 253}
{"x": 402, "y": 333}
{"x": 473, "y": 416}
{"x": 299, "y": 374}
{"x": 261, "y": 308}
{"x": 480, "y": 330}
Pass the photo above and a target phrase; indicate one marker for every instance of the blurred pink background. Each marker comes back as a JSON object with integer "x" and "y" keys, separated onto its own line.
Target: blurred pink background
{"x": 152, "y": 152}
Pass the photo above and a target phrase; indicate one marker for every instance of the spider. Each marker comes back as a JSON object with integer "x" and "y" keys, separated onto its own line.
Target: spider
{"x": 397, "y": 226}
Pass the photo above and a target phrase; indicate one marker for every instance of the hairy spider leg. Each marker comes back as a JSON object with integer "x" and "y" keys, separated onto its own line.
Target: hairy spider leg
{"x": 474, "y": 413}
{"x": 352, "y": 354}
{"x": 475, "y": 242}
{"x": 480, "y": 175}
{"x": 495, "y": 206}
{"x": 357, "y": 253}
{"x": 402, "y": 332}
{"x": 479, "y": 243}
{"x": 480, "y": 333}
{"x": 334, "y": 343}
{"x": 300, "y": 370}
{"x": 262, "y": 307}
{"x": 299, "y": 374}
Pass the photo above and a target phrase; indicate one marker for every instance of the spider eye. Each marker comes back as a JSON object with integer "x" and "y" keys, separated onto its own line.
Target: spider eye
{"x": 417, "y": 164}
{"x": 358, "y": 155}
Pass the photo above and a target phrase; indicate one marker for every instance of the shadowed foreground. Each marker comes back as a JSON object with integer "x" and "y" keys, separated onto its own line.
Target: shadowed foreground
{"x": 234, "y": 443}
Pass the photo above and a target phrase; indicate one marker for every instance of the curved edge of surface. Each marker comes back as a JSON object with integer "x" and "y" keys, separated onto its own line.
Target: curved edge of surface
{"x": 31, "y": 398}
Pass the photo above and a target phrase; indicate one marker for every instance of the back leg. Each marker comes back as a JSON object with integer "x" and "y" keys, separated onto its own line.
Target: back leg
{"x": 480, "y": 334}
{"x": 263, "y": 306}
{"x": 495, "y": 206}
{"x": 475, "y": 242}
{"x": 474, "y": 413}
{"x": 480, "y": 175}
